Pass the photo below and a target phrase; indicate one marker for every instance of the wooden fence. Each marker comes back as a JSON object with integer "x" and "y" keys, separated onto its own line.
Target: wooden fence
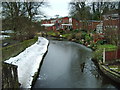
{"x": 112, "y": 55}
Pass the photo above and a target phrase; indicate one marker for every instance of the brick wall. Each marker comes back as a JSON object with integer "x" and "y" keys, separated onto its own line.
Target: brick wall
{"x": 92, "y": 25}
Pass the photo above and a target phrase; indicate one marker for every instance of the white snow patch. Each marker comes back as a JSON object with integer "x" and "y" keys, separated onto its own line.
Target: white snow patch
{"x": 28, "y": 61}
{"x": 3, "y": 36}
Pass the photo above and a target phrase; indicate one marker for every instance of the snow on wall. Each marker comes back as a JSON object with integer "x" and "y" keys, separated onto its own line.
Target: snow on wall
{"x": 28, "y": 61}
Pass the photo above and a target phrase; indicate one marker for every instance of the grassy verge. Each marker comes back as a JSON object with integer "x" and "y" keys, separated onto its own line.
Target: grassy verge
{"x": 15, "y": 49}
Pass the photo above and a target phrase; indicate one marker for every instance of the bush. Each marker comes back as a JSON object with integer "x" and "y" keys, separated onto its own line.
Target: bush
{"x": 78, "y": 35}
{"x": 23, "y": 28}
{"x": 66, "y": 35}
{"x": 54, "y": 34}
{"x": 100, "y": 42}
{"x": 70, "y": 37}
{"x": 62, "y": 31}
{"x": 83, "y": 35}
{"x": 75, "y": 31}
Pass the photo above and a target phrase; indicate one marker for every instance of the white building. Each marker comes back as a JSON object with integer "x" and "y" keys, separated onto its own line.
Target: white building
{"x": 99, "y": 28}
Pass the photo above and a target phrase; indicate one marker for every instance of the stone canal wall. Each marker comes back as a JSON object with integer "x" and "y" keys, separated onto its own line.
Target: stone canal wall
{"x": 9, "y": 76}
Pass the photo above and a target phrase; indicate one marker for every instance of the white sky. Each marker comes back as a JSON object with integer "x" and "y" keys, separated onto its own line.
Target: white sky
{"x": 57, "y": 7}
{"x": 61, "y": 7}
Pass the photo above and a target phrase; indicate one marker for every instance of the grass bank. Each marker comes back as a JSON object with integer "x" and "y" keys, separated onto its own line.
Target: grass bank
{"x": 13, "y": 50}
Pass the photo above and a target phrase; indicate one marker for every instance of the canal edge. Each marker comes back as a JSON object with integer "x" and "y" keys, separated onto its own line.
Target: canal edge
{"x": 36, "y": 75}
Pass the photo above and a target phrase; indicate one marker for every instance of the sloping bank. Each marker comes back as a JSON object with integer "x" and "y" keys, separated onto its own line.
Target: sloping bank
{"x": 28, "y": 61}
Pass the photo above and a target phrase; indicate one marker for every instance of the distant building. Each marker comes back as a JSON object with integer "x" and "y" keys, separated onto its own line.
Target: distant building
{"x": 89, "y": 24}
{"x": 111, "y": 21}
{"x": 111, "y": 25}
{"x": 64, "y": 23}
{"x": 68, "y": 23}
{"x": 99, "y": 28}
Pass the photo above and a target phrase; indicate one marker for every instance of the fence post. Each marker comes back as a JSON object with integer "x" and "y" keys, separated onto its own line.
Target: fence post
{"x": 104, "y": 55}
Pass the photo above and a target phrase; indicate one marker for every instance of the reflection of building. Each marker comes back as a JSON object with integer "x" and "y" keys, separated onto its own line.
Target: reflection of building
{"x": 111, "y": 25}
{"x": 65, "y": 23}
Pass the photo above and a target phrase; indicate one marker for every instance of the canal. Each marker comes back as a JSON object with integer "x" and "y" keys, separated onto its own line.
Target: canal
{"x": 69, "y": 65}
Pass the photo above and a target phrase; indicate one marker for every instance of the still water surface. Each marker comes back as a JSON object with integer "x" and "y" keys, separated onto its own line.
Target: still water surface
{"x": 61, "y": 68}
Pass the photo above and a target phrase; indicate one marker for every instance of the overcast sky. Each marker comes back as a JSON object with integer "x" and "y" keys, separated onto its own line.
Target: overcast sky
{"x": 61, "y": 7}
{"x": 57, "y": 7}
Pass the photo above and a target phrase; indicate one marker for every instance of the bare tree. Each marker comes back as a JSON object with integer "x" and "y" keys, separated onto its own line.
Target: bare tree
{"x": 99, "y": 8}
{"x": 19, "y": 16}
{"x": 33, "y": 8}
{"x": 81, "y": 11}
{"x": 27, "y": 9}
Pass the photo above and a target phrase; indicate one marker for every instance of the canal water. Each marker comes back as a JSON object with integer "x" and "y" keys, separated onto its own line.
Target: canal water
{"x": 69, "y": 65}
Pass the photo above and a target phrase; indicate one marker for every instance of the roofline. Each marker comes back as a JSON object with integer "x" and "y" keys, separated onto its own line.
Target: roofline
{"x": 92, "y": 20}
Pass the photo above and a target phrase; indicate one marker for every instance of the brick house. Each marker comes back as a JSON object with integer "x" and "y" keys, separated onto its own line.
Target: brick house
{"x": 111, "y": 26}
{"x": 64, "y": 23}
{"x": 89, "y": 25}
{"x": 67, "y": 23}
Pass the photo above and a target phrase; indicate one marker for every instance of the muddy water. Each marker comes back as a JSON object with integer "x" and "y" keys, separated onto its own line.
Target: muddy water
{"x": 69, "y": 65}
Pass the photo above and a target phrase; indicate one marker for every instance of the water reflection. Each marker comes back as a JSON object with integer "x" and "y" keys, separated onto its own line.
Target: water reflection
{"x": 69, "y": 65}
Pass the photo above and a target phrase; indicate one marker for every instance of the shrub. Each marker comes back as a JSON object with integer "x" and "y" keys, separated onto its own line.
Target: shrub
{"x": 51, "y": 33}
{"x": 83, "y": 35}
{"x": 66, "y": 35}
{"x": 78, "y": 35}
{"x": 76, "y": 31}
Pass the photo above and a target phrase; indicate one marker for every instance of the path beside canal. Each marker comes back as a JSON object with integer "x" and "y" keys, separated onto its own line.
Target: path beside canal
{"x": 61, "y": 68}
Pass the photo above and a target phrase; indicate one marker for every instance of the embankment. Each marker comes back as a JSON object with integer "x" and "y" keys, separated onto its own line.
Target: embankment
{"x": 28, "y": 62}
